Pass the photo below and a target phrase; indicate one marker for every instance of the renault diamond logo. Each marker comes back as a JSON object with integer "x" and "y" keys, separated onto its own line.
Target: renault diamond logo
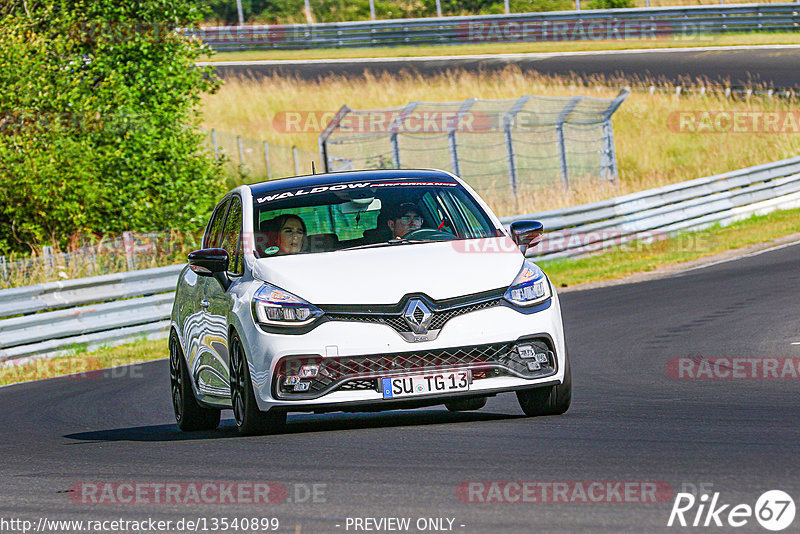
{"x": 418, "y": 316}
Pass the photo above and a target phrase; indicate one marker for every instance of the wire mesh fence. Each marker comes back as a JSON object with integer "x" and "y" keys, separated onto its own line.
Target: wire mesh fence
{"x": 514, "y": 145}
{"x": 256, "y": 160}
{"x": 92, "y": 256}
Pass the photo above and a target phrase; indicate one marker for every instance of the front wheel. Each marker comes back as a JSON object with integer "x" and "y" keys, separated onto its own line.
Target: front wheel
{"x": 553, "y": 400}
{"x": 188, "y": 412}
{"x": 250, "y": 421}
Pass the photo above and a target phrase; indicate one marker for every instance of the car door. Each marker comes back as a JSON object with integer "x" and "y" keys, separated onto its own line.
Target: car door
{"x": 208, "y": 352}
{"x": 213, "y": 376}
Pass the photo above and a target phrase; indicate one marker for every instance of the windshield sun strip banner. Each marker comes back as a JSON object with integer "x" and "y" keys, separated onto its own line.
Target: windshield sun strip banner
{"x": 280, "y": 195}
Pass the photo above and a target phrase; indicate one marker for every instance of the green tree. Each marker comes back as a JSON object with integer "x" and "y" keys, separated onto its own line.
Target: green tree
{"x": 98, "y": 119}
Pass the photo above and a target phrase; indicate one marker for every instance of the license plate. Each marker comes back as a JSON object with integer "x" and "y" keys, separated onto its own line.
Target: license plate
{"x": 407, "y": 386}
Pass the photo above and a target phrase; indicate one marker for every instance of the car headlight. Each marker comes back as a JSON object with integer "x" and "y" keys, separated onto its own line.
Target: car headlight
{"x": 529, "y": 287}
{"x": 275, "y": 307}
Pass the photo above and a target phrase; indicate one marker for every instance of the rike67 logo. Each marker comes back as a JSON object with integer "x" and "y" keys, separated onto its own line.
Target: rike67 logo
{"x": 774, "y": 510}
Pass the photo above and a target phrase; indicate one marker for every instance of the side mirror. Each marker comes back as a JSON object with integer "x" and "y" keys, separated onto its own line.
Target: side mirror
{"x": 526, "y": 233}
{"x": 211, "y": 262}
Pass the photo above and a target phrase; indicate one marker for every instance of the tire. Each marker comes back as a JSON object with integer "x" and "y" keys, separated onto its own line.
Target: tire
{"x": 250, "y": 421}
{"x": 466, "y": 405}
{"x": 553, "y": 400}
{"x": 189, "y": 415}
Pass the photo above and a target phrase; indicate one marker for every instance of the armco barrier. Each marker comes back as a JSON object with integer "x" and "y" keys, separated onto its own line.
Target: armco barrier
{"x": 89, "y": 312}
{"x": 633, "y": 23}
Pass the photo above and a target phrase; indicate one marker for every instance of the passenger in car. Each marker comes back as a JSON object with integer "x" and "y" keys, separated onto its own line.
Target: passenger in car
{"x": 406, "y": 218}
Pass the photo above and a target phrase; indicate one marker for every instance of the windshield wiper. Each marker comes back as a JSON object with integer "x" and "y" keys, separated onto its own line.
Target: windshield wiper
{"x": 388, "y": 243}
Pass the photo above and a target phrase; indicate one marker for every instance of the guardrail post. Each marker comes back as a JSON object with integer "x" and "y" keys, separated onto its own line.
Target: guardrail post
{"x": 322, "y": 140}
{"x": 372, "y": 9}
{"x": 506, "y": 7}
{"x": 508, "y": 120}
{"x": 394, "y": 127}
{"x": 451, "y": 135}
{"x": 4, "y": 266}
{"x": 439, "y": 8}
{"x": 266, "y": 159}
{"x": 294, "y": 156}
{"x": 562, "y": 145}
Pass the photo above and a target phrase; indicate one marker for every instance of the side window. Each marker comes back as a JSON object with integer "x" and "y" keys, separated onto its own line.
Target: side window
{"x": 232, "y": 237}
{"x": 214, "y": 230}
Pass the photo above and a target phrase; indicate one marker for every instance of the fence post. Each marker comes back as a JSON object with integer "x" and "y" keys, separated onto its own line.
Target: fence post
{"x": 266, "y": 159}
{"x": 451, "y": 135}
{"x": 47, "y": 253}
{"x": 294, "y": 156}
{"x": 241, "y": 152}
{"x": 562, "y": 144}
{"x": 506, "y": 7}
{"x": 609, "y": 169}
{"x": 394, "y": 127}
{"x": 130, "y": 250}
{"x": 322, "y": 140}
{"x": 372, "y": 9}
{"x": 508, "y": 120}
{"x": 214, "y": 143}
{"x": 577, "y": 5}
{"x": 439, "y": 8}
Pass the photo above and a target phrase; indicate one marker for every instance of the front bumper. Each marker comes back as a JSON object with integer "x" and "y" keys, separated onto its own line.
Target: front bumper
{"x": 335, "y": 342}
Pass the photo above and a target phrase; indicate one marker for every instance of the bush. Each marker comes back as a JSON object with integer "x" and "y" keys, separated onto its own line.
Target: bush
{"x": 98, "y": 117}
{"x": 610, "y": 4}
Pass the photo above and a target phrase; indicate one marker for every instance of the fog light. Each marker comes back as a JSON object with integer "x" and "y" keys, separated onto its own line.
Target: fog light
{"x": 526, "y": 351}
{"x": 302, "y": 386}
{"x": 291, "y": 380}
{"x": 309, "y": 371}
{"x": 532, "y": 366}
{"x": 542, "y": 358}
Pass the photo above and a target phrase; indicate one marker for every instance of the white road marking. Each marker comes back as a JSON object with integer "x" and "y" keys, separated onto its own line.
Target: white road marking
{"x": 756, "y": 253}
{"x": 511, "y": 57}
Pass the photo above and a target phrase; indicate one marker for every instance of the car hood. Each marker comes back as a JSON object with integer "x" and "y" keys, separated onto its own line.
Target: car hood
{"x": 384, "y": 275}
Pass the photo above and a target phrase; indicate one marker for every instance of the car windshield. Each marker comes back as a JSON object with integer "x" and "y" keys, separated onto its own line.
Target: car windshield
{"x": 365, "y": 214}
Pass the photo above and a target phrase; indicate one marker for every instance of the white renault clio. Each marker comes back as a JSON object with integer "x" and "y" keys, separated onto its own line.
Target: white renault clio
{"x": 362, "y": 291}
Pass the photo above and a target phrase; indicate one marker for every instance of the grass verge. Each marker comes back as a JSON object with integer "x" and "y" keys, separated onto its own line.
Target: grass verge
{"x": 682, "y": 248}
{"x": 514, "y": 48}
{"x": 607, "y": 266}
{"x": 88, "y": 365}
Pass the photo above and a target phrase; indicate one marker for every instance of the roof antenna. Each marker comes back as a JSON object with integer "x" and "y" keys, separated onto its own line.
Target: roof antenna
{"x": 313, "y": 169}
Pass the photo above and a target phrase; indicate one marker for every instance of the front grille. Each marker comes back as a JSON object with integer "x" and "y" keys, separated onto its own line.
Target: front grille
{"x": 361, "y": 372}
{"x": 396, "y": 321}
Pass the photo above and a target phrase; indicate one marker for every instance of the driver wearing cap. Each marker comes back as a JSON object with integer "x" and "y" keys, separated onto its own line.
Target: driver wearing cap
{"x": 405, "y": 219}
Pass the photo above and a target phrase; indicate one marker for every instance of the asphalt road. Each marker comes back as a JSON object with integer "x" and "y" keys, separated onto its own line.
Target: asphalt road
{"x": 773, "y": 67}
{"x": 630, "y": 421}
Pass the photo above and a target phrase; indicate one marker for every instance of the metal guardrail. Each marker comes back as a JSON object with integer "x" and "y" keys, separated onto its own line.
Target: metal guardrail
{"x": 54, "y": 317}
{"x": 659, "y": 213}
{"x": 633, "y": 23}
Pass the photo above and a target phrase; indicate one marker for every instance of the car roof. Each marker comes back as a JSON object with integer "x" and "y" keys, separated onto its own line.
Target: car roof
{"x": 312, "y": 180}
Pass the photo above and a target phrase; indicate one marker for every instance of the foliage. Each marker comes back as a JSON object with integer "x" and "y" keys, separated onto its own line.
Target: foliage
{"x": 98, "y": 120}
{"x": 610, "y": 4}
